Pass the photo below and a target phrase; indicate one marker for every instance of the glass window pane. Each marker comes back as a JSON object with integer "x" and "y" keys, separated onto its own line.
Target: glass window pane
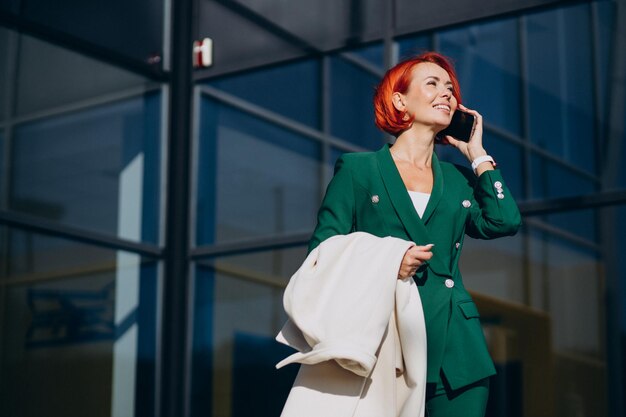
{"x": 254, "y": 179}
{"x": 77, "y": 328}
{"x": 550, "y": 179}
{"x": 605, "y": 25}
{"x": 238, "y": 312}
{"x": 494, "y": 267}
{"x": 11, "y": 6}
{"x": 291, "y": 90}
{"x": 558, "y": 337}
{"x": 97, "y": 168}
{"x": 50, "y": 77}
{"x": 568, "y": 278}
{"x": 414, "y": 45}
{"x": 581, "y": 223}
{"x": 373, "y": 54}
{"x": 351, "y": 108}
{"x": 487, "y": 63}
{"x": 134, "y": 29}
{"x": 561, "y": 100}
{"x": 3, "y": 171}
{"x": 272, "y": 31}
{"x": 7, "y": 38}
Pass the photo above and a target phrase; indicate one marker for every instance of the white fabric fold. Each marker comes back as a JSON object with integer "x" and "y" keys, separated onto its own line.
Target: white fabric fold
{"x": 359, "y": 331}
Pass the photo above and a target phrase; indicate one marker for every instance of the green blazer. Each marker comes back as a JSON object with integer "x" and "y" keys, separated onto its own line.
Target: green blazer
{"x": 367, "y": 194}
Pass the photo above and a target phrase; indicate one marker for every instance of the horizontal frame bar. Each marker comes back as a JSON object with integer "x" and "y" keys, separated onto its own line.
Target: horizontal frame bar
{"x": 45, "y": 227}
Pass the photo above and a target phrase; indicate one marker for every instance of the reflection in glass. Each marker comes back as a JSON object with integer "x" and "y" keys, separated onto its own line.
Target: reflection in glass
{"x": 291, "y": 90}
{"x": 561, "y": 100}
{"x": 413, "y": 45}
{"x": 494, "y": 267}
{"x": 555, "y": 336}
{"x": 3, "y": 171}
{"x": 374, "y": 54}
{"x": 255, "y": 178}
{"x": 551, "y": 179}
{"x": 487, "y": 64}
{"x": 77, "y": 329}
{"x": 567, "y": 282}
{"x": 6, "y": 37}
{"x": 134, "y": 29}
{"x": 50, "y": 77}
{"x": 97, "y": 169}
{"x": 351, "y": 109}
{"x": 238, "y": 312}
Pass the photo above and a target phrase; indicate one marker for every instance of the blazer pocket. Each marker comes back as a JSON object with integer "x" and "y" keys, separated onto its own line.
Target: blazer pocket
{"x": 469, "y": 309}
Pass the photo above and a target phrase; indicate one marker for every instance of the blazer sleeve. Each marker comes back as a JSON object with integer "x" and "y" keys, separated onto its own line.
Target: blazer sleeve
{"x": 493, "y": 212}
{"x": 336, "y": 214}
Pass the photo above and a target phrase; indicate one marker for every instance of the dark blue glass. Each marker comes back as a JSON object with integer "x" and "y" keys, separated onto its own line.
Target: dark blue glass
{"x": 11, "y": 6}
{"x": 567, "y": 277}
{"x": 579, "y": 222}
{"x": 351, "y": 109}
{"x": 605, "y": 27}
{"x": 622, "y": 165}
{"x": 3, "y": 170}
{"x": 374, "y": 54}
{"x": 254, "y": 178}
{"x": 414, "y": 45}
{"x": 550, "y": 180}
{"x": 291, "y": 90}
{"x": 66, "y": 79}
{"x": 73, "y": 316}
{"x": 486, "y": 59}
{"x": 237, "y": 313}
{"x": 96, "y": 169}
{"x": 560, "y": 86}
{"x": 134, "y": 29}
{"x": 620, "y": 232}
{"x": 7, "y": 61}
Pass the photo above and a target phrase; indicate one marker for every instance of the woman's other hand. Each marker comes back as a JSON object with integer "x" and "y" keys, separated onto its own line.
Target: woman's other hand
{"x": 414, "y": 257}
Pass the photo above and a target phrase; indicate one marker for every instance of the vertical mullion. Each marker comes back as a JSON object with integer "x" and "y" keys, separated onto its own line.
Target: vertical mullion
{"x": 175, "y": 379}
{"x": 14, "y": 44}
{"x": 526, "y": 161}
{"x": 609, "y": 169}
{"x": 325, "y": 122}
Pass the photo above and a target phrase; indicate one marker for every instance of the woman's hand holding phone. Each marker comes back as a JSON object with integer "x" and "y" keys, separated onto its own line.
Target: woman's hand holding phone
{"x": 473, "y": 148}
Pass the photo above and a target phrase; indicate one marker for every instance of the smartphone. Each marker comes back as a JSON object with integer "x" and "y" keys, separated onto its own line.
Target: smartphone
{"x": 460, "y": 127}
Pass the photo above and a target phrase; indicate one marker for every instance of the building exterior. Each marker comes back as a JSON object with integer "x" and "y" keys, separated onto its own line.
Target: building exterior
{"x": 152, "y": 213}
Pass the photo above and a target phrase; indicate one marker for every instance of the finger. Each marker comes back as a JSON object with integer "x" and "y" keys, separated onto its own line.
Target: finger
{"x": 424, "y": 256}
{"x": 452, "y": 141}
{"x": 423, "y": 247}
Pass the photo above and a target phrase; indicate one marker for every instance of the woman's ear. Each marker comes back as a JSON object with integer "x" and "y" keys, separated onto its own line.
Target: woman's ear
{"x": 398, "y": 101}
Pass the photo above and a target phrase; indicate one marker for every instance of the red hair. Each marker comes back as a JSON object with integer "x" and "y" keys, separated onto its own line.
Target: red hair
{"x": 398, "y": 79}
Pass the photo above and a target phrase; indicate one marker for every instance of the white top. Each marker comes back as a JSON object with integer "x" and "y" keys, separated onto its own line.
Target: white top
{"x": 420, "y": 200}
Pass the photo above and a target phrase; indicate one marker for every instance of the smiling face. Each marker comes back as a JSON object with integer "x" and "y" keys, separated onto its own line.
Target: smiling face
{"x": 428, "y": 100}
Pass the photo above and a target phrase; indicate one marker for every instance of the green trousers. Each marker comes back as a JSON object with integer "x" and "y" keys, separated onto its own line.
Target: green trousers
{"x": 469, "y": 401}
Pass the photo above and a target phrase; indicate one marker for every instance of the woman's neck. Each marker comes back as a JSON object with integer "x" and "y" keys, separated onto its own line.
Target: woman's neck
{"x": 415, "y": 147}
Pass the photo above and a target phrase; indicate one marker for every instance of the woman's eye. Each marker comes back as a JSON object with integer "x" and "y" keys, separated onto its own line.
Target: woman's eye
{"x": 431, "y": 83}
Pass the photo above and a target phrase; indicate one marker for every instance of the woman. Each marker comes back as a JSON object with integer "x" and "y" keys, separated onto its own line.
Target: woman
{"x": 406, "y": 192}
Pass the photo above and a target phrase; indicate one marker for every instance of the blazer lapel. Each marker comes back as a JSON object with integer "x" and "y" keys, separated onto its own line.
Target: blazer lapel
{"x": 403, "y": 205}
{"x": 400, "y": 199}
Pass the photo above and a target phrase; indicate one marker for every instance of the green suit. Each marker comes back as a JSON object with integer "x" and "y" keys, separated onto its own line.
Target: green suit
{"x": 367, "y": 194}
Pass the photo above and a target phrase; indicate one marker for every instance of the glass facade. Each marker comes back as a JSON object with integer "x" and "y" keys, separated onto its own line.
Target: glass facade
{"x": 90, "y": 221}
